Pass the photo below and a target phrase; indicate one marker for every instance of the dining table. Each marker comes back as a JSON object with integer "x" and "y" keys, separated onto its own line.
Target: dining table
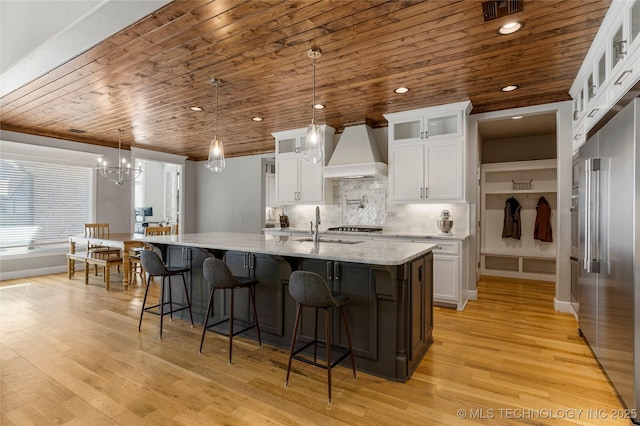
{"x": 124, "y": 241}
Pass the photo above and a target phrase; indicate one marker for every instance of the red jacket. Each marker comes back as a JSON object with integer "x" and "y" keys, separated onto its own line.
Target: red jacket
{"x": 542, "y": 230}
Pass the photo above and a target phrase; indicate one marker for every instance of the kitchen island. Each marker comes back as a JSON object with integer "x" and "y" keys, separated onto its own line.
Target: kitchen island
{"x": 390, "y": 284}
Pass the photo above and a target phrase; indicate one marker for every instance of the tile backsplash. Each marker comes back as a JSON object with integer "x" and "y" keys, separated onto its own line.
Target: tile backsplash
{"x": 364, "y": 202}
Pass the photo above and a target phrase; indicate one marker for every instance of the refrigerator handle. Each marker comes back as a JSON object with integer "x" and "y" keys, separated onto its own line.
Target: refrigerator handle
{"x": 587, "y": 215}
{"x": 595, "y": 217}
{"x": 591, "y": 218}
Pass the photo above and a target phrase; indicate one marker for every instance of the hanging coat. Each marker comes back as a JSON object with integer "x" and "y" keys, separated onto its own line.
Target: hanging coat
{"x": 542, "y": 229}
{"x": 511, "y": 226}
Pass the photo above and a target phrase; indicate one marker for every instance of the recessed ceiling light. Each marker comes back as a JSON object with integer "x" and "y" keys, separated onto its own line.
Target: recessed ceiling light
{"x": 510, "y": 28}
{"x": 318, "y": 106}
{"x": 516, "y": 117}
{"x": 401, "y": 90}
{"x": 510, "y": 88}
{"x": 256, "y": 118}
{"x": 195, "y": 108}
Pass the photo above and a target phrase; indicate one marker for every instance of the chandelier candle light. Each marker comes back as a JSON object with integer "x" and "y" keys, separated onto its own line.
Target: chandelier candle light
{"x": 216, "y": 161}
{"x": 314, "y": 143}
{"x": 121, "y": 173}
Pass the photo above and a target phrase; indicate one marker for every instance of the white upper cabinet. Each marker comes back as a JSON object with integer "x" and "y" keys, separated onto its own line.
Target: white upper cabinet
{"x": 297, "y": 180}
{"x": 427, "y": 154}
{"x": 610, "y": 69}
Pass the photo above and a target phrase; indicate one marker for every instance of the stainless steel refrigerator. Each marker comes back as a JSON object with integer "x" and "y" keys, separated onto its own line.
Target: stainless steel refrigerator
{"x": 609, "y": 250}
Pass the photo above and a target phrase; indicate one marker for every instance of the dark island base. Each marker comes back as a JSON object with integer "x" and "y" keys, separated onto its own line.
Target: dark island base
{"x": 390, "y": 316}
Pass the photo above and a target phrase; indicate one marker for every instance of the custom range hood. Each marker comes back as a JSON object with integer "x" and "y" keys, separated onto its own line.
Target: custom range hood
{"x": 356, "y": 155}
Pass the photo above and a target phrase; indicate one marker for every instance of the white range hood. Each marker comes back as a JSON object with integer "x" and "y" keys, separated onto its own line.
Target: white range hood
{"x": 356, "y": 155}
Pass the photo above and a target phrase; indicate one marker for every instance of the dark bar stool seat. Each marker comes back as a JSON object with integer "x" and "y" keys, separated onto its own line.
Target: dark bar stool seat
{"x": 218, "y": 275}
{"x": 310, "y": 290}
{"x": 153, "y": 265}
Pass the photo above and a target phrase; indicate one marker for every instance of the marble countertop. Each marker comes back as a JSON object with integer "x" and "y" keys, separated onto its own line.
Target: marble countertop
{"x": 369, "y": 252}
{"x": 368, "y": 235}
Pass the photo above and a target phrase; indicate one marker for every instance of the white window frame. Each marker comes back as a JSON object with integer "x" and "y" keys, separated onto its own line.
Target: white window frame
{"x": 44, "y": 154}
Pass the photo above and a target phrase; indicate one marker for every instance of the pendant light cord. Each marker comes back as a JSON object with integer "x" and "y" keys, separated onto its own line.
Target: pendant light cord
{"x": 119, "y": 147}
{"x": 217, "y": 109}
{"x": 313, "y": 103}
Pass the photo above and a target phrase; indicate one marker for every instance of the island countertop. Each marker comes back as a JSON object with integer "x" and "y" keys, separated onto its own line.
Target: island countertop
{"x": 370, "y": 252}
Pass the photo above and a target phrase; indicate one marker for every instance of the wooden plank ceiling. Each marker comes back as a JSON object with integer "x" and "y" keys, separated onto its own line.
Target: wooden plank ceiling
{"x": 145, "y": 78}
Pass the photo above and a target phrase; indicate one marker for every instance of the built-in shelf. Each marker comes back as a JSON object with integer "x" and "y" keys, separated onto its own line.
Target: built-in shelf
{"x": 526, "y": 257}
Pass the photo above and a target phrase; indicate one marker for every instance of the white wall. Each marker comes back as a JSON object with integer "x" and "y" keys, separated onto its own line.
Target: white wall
{"x": 154, "y": 189}
{"x": 230, "y": 201}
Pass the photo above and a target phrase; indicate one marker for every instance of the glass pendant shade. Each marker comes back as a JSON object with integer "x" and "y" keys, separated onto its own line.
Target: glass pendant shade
{"x": 216, "y": 161}
{"x": 314, "y": 144}
{"x": 313, "y": 148}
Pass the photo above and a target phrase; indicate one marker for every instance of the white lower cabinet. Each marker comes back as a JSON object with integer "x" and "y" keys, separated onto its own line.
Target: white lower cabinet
{"x": 446, "y": 278}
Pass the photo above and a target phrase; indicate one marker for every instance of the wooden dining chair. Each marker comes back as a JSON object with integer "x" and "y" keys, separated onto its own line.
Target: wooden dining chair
{"x": 100, "y": 230}
{"x": 135, "y": 265}
{"x": 157, "y": 230}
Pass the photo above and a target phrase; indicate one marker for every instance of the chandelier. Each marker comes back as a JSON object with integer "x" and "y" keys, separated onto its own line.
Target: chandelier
{"x": 216, "y": 161}
{"x": 314, "y": 142}
{"x": 121, "y": 173}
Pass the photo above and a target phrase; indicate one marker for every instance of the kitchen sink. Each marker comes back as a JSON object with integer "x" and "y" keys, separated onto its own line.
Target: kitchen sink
{"x": 329, "y": 240}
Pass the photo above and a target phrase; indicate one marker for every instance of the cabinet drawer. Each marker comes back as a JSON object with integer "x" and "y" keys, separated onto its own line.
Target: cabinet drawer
{"x": 445, "y": 247}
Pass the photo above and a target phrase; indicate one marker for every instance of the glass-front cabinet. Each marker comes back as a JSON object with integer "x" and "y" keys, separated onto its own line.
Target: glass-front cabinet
{"x": 427, "y": 154}
{"x": 610, "y": 69}
{"x": 290, "y": 145}
{"x": 296, "y": 180}
{"x": 427, "y": 125}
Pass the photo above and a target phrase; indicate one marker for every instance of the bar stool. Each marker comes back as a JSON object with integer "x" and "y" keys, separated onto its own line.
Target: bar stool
{"x": 310, "y": 290}
{"x": 153, "y": 265}
{"x": 218, "y": 275}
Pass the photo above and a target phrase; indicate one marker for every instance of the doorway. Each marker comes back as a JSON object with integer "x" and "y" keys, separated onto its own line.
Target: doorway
{"x": 157, "y": 195}
{"x": 558, "y": 115}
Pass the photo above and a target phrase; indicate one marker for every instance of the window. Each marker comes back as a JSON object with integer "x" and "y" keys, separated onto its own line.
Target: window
{"x": 42, "y": 203}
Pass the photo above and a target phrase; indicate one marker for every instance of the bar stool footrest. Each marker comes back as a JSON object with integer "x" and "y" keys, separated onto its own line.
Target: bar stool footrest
{"x": 150, "y": 309}
{"x": 247, "y": 326}
{"x": 345, "y": 353}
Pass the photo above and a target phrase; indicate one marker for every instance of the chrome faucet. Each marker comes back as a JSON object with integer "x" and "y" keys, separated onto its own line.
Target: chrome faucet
{"x": 316, "y": 234}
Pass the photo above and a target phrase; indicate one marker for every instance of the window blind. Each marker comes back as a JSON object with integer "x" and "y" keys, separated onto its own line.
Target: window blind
{"x": 42, "y": 204}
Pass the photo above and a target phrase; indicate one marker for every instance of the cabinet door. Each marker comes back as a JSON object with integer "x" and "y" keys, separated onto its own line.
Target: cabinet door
{"x": 410, "y": 130}
{"x": 444, "y": 172}
{"x": 357, "y": 281}
{"x": 288, "y": 146}
{"x": 199, "y": 288}
{"x": 445, "y": 278}
{"x": 287, "y": 180}
{"x": 445, "y": 125}
{"x": 270, "y": 292}
{"x": 311, "y": 182}
{"x": 407, "y": 173}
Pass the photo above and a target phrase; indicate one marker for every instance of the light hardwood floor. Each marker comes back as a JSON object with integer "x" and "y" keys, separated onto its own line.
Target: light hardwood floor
{"x": 72, "y": 354}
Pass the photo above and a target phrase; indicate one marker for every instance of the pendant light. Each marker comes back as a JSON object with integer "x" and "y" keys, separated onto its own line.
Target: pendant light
{"x": 314, "y": 142}
{"x": 121, "y": 173}
{"x": 216, "y": 161}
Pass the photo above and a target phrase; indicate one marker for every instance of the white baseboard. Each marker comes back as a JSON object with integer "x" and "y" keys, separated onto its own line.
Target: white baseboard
{"x": 472, "y": 294}
{"x": 565, "y": 307}
{"x": 32, "y": 272}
